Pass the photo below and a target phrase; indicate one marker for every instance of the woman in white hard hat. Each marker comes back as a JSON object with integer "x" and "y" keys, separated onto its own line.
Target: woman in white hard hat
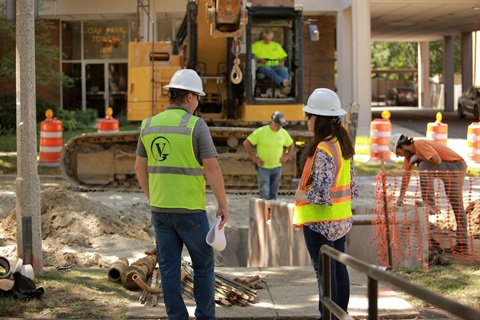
{"x": 175, "y": 154}
{"x": 323, "y": 198}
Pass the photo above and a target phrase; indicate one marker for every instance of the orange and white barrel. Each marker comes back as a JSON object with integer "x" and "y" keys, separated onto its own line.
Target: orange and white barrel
{"x": 380, "y": 132}
{"x": 438, "y": 131}
{"x": 473, "y": 142}
{"x": 51, "y": 140}
{"x": 108, "y": 124}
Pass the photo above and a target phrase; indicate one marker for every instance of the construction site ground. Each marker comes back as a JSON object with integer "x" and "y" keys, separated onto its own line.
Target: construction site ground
{"x": 292, "y": 293}
{"x": 289, "y": 292}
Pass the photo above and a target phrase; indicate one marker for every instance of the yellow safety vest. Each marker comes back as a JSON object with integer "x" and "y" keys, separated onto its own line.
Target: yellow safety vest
{"x": 340, "y": 193}
{"x": 175, "y": 177}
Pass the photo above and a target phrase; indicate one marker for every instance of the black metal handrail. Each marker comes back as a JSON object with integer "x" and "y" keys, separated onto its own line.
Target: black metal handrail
{"x": 376, "y": 275}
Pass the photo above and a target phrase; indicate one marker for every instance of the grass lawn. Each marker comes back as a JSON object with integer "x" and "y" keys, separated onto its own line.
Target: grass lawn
{"x": 88, "y": 294}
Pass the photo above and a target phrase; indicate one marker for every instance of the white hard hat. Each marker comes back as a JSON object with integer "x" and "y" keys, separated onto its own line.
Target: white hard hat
{"x": 186, "y": 79}
{"x": 324, "y": 102}
{"x": 216, "y": 237}
{"x": 395, "y": 140}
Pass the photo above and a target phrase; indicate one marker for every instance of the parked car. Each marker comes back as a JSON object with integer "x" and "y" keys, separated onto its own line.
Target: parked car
{"x": 468, "y": 103}
{"x": 401, "y": 97}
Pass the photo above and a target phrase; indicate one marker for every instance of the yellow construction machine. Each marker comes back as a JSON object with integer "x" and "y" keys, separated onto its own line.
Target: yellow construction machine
{"x": 215, "y": 39}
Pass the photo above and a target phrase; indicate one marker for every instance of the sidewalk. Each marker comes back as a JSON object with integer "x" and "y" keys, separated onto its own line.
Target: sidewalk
{"x": 290, "y": 293}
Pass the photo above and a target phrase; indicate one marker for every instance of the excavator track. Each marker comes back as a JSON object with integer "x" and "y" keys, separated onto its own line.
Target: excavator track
{"x": 103, "y": 161}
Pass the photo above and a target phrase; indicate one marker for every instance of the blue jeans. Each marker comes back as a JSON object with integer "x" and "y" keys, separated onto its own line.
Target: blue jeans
{"x": 340, "y": 280}
{"x": 268, "y": 182}
{"x": 277, "y": 73}
{"x": 172, "y": 231}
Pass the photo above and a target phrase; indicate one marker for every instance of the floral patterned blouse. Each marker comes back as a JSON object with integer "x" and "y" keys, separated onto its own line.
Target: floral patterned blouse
{"x": 322, "y": 178}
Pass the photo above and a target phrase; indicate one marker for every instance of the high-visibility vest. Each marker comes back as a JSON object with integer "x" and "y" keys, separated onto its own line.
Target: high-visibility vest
{"x": 340, "y": 193}
{"x": 175, "y": 177}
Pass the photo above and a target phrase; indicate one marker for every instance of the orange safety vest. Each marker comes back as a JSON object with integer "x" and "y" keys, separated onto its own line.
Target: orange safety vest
{"x": 340, "y": 193}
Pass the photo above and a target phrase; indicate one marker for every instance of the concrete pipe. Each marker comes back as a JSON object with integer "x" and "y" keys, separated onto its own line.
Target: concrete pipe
{"x": 143, "y": 268}
{"x": 4, "y": 268}
{"x": 149, "y": 261}
{"x": 115, "y": 271}
{"x": 128, "y": 273}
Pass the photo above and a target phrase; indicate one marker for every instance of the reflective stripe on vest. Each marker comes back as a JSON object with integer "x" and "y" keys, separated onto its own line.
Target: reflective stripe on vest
{"x": 175, "y": 178}
{"x": 340, "y": 193}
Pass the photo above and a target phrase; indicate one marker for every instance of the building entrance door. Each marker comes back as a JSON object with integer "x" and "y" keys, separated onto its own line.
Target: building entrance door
{"x": 106, "y": 86}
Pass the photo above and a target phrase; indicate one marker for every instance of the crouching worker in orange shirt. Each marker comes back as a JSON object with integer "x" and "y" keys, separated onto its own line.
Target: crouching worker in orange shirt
{"x": 434, "y": 160}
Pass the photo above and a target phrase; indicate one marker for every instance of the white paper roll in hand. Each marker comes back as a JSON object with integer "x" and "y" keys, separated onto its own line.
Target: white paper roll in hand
{"x": 216, "y": 237}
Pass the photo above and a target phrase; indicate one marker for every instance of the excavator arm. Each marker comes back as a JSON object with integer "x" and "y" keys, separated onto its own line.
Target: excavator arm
{"x": 227, "y": 18}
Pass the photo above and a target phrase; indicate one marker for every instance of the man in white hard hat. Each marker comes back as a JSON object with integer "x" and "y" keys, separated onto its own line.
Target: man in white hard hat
{"x": 174, "y": 153}
{"x": 434, "y": 160}
{"x": 270, "y": 140}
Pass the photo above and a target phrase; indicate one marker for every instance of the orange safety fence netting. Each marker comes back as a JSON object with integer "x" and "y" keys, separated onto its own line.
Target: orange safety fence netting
{"x": 437, "y": 222}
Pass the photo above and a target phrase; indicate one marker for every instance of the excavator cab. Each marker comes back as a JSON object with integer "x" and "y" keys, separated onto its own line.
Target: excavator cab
{"x": 286, "y": 25}
{"x": 254, "y": 97}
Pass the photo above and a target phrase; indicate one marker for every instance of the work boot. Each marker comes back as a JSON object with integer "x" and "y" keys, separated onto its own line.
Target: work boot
{"x": 286, "y": 83}
{"x": 460, "y": 248}
{"x": 286, "y": 90}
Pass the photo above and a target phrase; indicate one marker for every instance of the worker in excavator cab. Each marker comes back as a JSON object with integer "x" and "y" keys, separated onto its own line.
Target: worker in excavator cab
{"x": 270, "y": 58}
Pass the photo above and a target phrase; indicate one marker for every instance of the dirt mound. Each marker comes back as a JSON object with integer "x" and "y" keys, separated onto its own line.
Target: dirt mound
{"x": 73, "y": 225}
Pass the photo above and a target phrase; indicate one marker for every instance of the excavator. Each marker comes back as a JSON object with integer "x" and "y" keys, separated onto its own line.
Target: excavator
{"x": 215, "y": 39}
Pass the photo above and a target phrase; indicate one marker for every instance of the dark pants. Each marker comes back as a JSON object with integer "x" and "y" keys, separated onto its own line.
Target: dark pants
{"x": 340, "y": 280}
{"x": 453, "y": 175}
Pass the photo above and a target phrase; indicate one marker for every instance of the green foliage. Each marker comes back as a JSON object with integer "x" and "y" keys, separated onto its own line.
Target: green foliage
{"x": 7, "y": 114}
{"x": 403, "y": 55}
{"x": 394, "y": 55}
{"x": 42, "y": 107}
{"x": 76, "y": 120}
{"x": 46, "y": 53}
{"x": 436, "y": 56}
{"x": 71, "y": 120}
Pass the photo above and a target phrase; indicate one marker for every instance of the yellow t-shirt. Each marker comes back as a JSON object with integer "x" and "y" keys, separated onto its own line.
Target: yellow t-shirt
{"x": 270, "y": 145}
{"x": 272, "y": 51}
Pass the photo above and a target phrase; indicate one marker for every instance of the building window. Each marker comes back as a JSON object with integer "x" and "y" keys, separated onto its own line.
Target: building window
{"x": 106, "y": 39}
{"x": 167, "y": 26}
{"x": 71, "y": 40}
{"x": 72, "y": 96}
